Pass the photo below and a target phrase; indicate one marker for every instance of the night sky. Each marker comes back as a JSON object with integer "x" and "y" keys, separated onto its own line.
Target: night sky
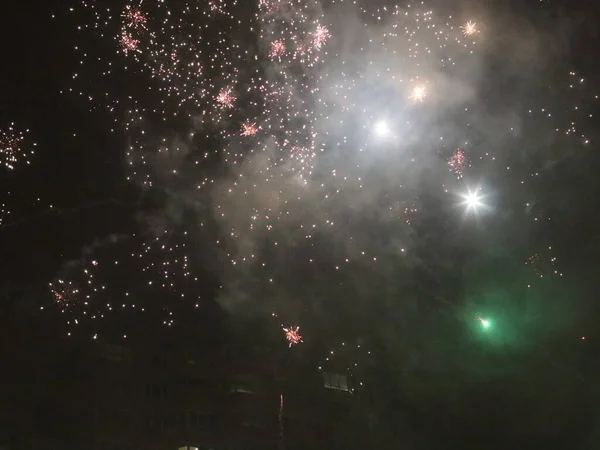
{"x": 416, "y": 180}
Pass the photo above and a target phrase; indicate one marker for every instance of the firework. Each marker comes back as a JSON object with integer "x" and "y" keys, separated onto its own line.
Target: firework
{"x": 469, "y": 28}
{"x": 225, "y": 98}
{"x": 320, "y": 36}
{"x": 418, "y": 93}
{"x": 128, "y": 42}
{"x": 317, "y": 117}
{"x": 64, "y": 293}
{"x": 457, "y": 162}
{"x": 249, "y": 129}
{"x": 292, "y": 335}
{"x": 277, "y": 49}
{"x": 12, "y": 148}
{"x": 482, "y": 321}
{"x": 134, "y": 17}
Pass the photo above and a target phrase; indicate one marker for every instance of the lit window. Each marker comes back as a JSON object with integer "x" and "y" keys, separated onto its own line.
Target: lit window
{"x": 188, "y": 447}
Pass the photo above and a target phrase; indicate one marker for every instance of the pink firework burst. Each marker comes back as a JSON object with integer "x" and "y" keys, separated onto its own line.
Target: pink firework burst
{"x": 225, "y": 98}
{"x": 249, "y": 129}
{"x": 277, "y": 49}
{"x": 128, "y": 42}
{"x": 220, "y": 6}
{"x": 292, "y": 335}
{"x": 320, "y": 36}
{"x": 135, "y": 18}
{"x": 64, "y": 293}
{"x": 302, "y": 153}
{"x": 457, "y": 162}
{"x": 12, "y": 149}
{"x": 268, "y": 5}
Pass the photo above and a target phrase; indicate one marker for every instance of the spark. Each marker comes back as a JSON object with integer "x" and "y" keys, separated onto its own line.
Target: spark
{"x": 306, "y": 101}
{"x": 135, "y": 18}
{"x": 12, "y": 148}
{"x": 469, "y": 28}
{"x": 292, "y": 335}
{"x": 483, "y": 321}
{"x": 249, "y": 129}
{"x": 457, "y": 162}
{"x": 64, "y": 293}
{"x": 4, "y": 213}
{"x": 128, "y": 42}
{"x": 225, "y": 98}
{"x": 277, "y": 49}
{"x": 320, "y": 36}
{"x": 418, "y": 93}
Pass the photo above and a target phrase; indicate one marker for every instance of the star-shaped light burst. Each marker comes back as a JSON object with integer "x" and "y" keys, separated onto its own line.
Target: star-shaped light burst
{"x": 249, "y": 129}
{"x": 292, "y": 335}
{"x": 225, "y": 98}
{"x": 469, "y": 28}
{"x": 472, "y": 200}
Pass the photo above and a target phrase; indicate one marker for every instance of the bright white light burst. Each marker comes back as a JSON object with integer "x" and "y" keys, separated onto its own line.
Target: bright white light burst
{"x": 382, "y": 129}
{"x": 472, "y": 200}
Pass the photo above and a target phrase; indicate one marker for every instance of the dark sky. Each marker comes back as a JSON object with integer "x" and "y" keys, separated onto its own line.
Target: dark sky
{"x": 78, "y": 165}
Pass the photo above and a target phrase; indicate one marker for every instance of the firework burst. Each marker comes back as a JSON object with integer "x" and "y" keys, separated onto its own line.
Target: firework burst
{"x": 293, "y": 336}
{"x": 469, "y": 28}
{"x": 418, "y": 93}
{"x": 457, "y": 162}
{"x": 12, "y": 148}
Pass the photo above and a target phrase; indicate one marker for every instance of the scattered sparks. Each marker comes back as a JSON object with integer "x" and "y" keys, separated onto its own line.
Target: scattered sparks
{"x": 277, "y": 49}
{"x": 457, "y": 162}
{"x": 128, "y": 42}
{"x": 13, "y": 149}
{"x": 305, "y": 172}
{"x": 4, "y": 214}
{"x": 134, "y": 17}
{"x": 65, "y": 294}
